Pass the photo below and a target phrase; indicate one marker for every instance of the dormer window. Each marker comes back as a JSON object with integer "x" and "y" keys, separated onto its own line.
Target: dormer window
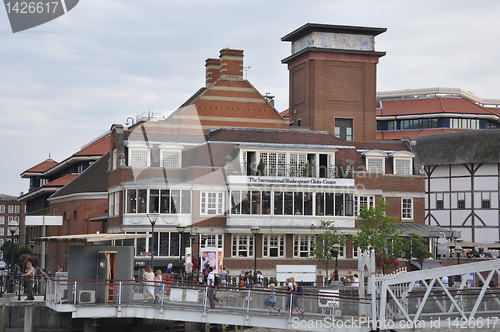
{"x": 403, "y": 163}
{"x": 375, "y": 161}
{"x": 138, "y": 154}
{"x": 171, "y": 155}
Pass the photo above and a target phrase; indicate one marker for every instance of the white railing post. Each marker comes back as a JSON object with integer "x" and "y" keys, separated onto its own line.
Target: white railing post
{"x": 120, "y": 293}
{"x": 75, "y": 293}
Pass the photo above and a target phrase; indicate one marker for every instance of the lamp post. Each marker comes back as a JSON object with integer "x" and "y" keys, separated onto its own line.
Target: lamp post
{"x": 152, "y": 219}
{"x": 181, "y": 229}
{"x": 13, "y": 227}
{"x": 336, "y": 248}
{"x": 193, "y": 237}
{"x": 255, "y": 230}
{"x": 458, "y": 251}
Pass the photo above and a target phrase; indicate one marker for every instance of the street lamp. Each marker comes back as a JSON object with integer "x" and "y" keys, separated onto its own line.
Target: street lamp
{"x": 181, "y": 229}
{"x": 255, "y": 230}
{"x": 13, "y": 227}
{"x": 193, "y": 237}
{"x": 152, "y": 219}
{"x": 336, "y": 248}
{"x": 458, "y": 251}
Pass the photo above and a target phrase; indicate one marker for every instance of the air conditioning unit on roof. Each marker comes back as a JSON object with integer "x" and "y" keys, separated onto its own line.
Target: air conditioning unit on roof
{"x": 86, "y": 296}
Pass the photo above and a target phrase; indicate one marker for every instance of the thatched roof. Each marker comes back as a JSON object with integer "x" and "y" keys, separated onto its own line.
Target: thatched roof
{"x": 475, "y": 146}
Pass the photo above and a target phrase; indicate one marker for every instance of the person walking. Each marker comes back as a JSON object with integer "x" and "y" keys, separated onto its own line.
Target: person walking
{"x": 149, "y": 285}
{"x": 355, "y": 281}
{"x": 28, "y": 281}
{"x": 211, "y": 287}
{"x": 271, "y": 300}
{"x": 223, "y": 276}
{"x": 158, "y": 286}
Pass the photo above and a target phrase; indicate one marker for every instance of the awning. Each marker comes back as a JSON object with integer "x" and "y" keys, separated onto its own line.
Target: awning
{"x": 427, "y": 231}
{"x": 91, "y": 237}
{"x": 428, "y": 264}
{"x": 101, "y": 218}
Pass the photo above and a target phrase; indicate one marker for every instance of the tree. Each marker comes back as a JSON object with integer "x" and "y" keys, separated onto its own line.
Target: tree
{"x": 378, "y": 231}
{"x": 307, "y": 170}
{"x": 322, "y": 247}
{"x": 261, "y": 168}
{"x": 19, "y": 250}
{"x": 418, "y": 249}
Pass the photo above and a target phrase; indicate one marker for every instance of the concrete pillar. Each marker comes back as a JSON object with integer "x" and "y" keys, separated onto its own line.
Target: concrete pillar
{"x": 29, "y": 311}
{"x": 89, "y": 325}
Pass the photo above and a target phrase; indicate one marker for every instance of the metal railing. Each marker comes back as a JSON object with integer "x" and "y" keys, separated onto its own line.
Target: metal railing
{"x": 195, "y": 294}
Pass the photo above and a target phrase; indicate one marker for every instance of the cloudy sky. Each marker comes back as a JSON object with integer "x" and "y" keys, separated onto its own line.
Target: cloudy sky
{"x": 66, "y": 82}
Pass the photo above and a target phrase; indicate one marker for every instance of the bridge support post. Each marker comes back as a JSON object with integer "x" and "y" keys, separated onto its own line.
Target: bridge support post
{"x": 89, "y": 325}
{"x": 28, "y": 317}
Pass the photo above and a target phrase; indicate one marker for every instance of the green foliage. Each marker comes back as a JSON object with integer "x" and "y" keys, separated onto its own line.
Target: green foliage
{"x": 417, "y": 249}
{"x": 322, "y": 247}
{"x": 307, "y": 170}
{"x": 378, "y": 231}
{"x": 261, "y": 168}
{"x": 341, "y": 171}
{"x": 19, "y": 250}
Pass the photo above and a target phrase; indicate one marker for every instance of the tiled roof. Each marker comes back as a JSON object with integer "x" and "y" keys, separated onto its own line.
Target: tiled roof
{"x": 61, "y": 181}
{"x": 398, "y": 134}
{"x": 382, "y": 145}
{"x": 93, "y": 179}
{"x": 429, "y": 106}
{"x": 305, "y": 137}
{"x": 42, "y": 167}
{"x": 96, "y": 149}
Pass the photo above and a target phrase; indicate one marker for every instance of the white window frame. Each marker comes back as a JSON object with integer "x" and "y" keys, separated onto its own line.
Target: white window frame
{"x": 370, "y": 202}
{"x": 17, "y": 209}
{"x": 2, "y": 220}
{"x": 2, "y": 208}
{"x": 111, "y": 204}
{"x": 406, "y": 211}
{"x": 269, "y": 242}
{"x": 142, "y": 148}
{"x": 298, "y": 251}
{"x": 402, "y": 157}
{"x": 171, "y": 155}
{"x": 11, "y": 209}
{"x": 114, "y": 162}
{"x": 211, "y": 241}
{"x": 211, "y": 203}
{"x": 375, "y": 156}
{"x": 117, "y": 203}
{"x": 242, "y": 243}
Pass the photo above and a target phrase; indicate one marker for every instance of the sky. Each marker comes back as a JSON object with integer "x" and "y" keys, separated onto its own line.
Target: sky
{"x": 66, "y": 82}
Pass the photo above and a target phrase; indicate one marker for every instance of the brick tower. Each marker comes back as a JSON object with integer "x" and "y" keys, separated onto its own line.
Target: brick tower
{"x": 333, "y": 75}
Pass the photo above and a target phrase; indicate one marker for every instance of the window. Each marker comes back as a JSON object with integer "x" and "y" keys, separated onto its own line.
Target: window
{"x": 439, "y": 204}
{"x": 171, "y": 201}
{"x": 170, "y": 155}
{"x": 2, "y": 220}
{"x": 461, "y": 204}
{"x": 403, "y": 163}
{"x": 138, "y": 154}
{"x": 211, "y": 241}
{"x": 375, "y": 161}
{"x": 111, "y": 205}
{"x": 302, "y": 245}
{"x": 366, "y": 201}
{"x": 485, "y": 204}
{"x": 2, "y": 208}
{"x": 407, "y": 208}
{"x": 273, "y": 246}
{"x": 117, "y": 203}
{"x": 211, "y": 203}
{"x": 2, "y": 231}
{"x": 164, "y": 244}
{"x": 75, "y": 215}
{"x": 343, "y": 129}
{"x": 341, "y": 253}
{"x": 17, "y": 209}
{"x": 242, "y": 246}
{"x": 11, "y": 209}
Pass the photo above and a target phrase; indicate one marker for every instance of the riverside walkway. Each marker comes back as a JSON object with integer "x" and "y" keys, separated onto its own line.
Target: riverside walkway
{"x": 399, "y": 301}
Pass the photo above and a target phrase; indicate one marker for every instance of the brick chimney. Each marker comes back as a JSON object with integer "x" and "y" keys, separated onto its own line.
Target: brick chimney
{"x": 212, "y": 68}
{"x": 231, "y": 64}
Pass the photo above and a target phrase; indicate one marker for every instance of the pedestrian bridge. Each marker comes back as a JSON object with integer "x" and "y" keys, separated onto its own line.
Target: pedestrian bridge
{"x": 400, "y": 301}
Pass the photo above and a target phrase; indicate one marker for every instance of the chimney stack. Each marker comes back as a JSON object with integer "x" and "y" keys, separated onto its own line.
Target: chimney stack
{"x": 231, "y": 64}
{"x": 212, "y": 69}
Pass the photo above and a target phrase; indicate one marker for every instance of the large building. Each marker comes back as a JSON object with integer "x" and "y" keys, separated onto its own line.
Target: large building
{"x": 420, "y": 112}
{"x": 11, "y": 210}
